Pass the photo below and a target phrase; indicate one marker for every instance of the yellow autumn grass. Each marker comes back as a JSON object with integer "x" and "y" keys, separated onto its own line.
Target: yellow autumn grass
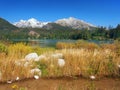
{"x": 10, "y": 71}
{"x": 78, "y": 44}
{"x": 19, "y": 50}
{"x": 16, "y": 53}
{"x": 84, "y": 62}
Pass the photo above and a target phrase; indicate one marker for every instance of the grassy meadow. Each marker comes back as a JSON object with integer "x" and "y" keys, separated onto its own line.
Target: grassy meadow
{"x": 81, "y": 59}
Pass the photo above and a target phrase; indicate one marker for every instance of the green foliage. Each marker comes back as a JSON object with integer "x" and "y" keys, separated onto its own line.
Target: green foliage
{"x": 3, "y": 48}
{"x": 115, "y": 33}
{"x": 43, "y": 67}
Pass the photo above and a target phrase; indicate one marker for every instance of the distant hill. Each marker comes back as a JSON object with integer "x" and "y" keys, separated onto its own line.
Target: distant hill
{"x": 5, "y": 25}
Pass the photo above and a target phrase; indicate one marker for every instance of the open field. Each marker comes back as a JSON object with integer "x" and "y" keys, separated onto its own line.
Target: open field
{"x": 85, "y": 65}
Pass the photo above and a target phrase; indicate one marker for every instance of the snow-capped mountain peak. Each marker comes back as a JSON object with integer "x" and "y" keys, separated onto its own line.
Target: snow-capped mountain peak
{"x": 69, "y": 22}
{"x": 32, "y": 22}
{"x": 74, "y": 23}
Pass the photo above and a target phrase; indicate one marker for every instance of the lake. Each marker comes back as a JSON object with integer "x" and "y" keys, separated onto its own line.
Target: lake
{"x": 43, "y": 42}
{"x": 52, "y": 42}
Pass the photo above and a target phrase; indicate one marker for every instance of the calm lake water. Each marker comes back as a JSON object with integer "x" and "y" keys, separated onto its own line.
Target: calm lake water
{"x": 52, "y": 43}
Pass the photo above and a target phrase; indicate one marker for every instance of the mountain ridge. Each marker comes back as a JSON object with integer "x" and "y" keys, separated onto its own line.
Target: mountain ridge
{"x": 56, "y": 31}
{"x": 65, "y": 22}
{"x": 74, "y": 23}
{"x": 5, "y": 25}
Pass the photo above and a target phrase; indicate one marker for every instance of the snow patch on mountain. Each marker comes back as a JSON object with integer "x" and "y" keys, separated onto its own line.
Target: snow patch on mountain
{"x": 74, "y": 23}
{"x": 32, "y": 22}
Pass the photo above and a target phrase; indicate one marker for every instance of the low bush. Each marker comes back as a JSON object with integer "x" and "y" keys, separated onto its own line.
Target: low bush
{"x": 3, "y": 48}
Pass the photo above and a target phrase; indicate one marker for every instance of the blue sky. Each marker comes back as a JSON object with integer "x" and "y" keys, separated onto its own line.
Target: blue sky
{"x": 97, "y": 12}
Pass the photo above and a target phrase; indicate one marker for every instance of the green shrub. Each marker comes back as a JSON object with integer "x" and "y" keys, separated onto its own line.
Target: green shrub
{"x": 43, "y": 67}
{"x": 3, "y": 48}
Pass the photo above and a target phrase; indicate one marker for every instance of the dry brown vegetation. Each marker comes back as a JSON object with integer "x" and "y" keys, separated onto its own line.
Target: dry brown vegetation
{"x": 81, "y": 59}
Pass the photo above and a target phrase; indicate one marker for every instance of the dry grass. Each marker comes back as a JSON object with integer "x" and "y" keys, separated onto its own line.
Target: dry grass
{"x": 79, "y": 44}
{"x": 19, "y": 50}
{"x": 9, "y": 62}
{"x": 10, "y": 70}
{"x": 84, "y": 62}
{"x": 81, "y": 61}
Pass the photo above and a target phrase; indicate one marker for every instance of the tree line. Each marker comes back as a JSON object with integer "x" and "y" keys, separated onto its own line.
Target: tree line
{"x": 100, "y": 33}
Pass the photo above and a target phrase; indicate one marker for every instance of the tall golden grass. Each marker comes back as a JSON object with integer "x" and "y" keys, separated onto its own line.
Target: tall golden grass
{"x": 79, "y": 44}
{"x": 10, "y": 71}
{"x": 16, "y": 53}
{"x": 81, "y": 60}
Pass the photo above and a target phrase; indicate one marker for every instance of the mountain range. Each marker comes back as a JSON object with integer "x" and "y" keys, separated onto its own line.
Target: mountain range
{"x": 67, "y": 28}
{"x": 70, "y": 22}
